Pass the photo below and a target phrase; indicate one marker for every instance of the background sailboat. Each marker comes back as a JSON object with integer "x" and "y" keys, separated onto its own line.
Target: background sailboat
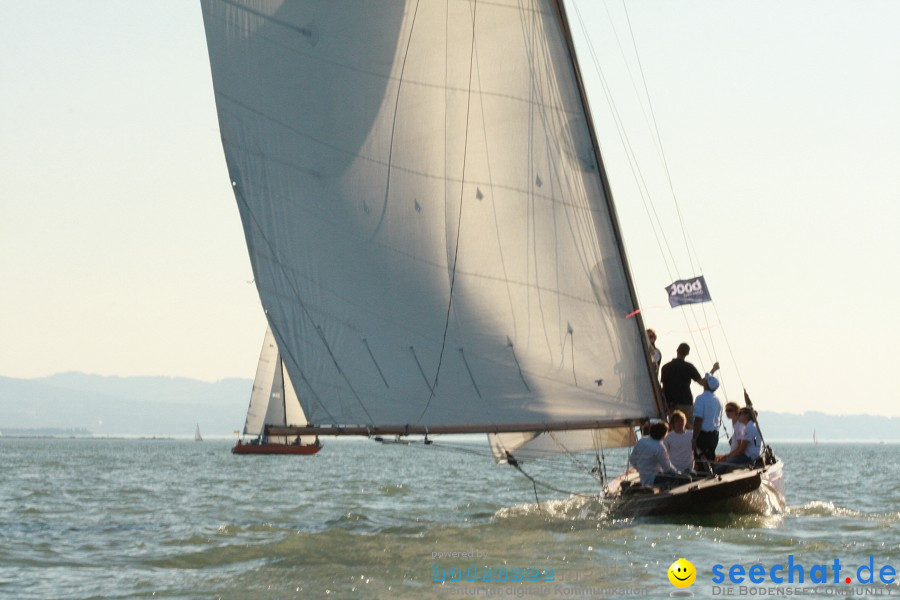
{"x": 197, "y": 436}
{"x": 273, "y": 402}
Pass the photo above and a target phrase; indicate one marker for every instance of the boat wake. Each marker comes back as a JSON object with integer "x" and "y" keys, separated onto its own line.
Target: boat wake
{"x": 764, "y": 502}
{"x": 822, "y": 508}
{"x": 576, "y": 507}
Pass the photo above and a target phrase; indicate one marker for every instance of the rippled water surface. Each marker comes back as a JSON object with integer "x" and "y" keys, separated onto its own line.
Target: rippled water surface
{"x": 160, "y": 518}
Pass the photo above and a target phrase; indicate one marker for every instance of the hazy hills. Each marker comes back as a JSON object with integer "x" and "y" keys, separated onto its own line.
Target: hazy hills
{"x": 124, "y": 405}
{"x": 149, "y": 406}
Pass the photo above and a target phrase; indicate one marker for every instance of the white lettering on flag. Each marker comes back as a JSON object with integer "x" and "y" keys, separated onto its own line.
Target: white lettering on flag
{"x": 688, "y": 291}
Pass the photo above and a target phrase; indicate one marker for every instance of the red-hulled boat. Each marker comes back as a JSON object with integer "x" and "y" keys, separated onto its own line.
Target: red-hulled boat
{"x": 274, "y": 402}
{"x": 270, "y": 448}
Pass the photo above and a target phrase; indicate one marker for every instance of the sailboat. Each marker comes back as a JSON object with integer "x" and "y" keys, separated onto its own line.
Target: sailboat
{"x": 273, "y": 402}
{"x": 429, "y": 221}
{"x": 197, "y": 436}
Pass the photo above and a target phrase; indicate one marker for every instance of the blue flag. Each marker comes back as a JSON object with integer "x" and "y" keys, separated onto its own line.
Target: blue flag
{"x": 688, "y": 291}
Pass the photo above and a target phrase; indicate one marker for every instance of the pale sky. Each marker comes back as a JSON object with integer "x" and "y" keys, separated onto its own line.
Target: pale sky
{"x": 122, "y": 253}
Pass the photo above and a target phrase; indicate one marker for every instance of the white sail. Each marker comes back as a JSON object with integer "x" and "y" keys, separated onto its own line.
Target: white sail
{"x": 531, "y": 445}
{"x": 425, "y": 213}
{"x": 263, "y": 387}
{"x": 197, "y": 436}
{"x": 273, "y": 400}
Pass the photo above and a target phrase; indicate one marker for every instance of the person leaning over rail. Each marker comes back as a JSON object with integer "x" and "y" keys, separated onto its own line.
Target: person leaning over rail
{"x": 650, "y": 457}
{"x": 748, "y": 447}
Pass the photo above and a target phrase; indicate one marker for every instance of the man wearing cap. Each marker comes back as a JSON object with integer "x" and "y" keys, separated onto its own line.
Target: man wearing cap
{"x": 676, "y": 377}
{"x": 707, "y": 419}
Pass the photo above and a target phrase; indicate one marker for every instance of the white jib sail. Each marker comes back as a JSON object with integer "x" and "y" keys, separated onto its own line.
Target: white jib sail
{"x": 532, "y": 445}
{"x": 424, "y": 211}
{"x": 273, "y": 400}
{"x": 263, "y": 386}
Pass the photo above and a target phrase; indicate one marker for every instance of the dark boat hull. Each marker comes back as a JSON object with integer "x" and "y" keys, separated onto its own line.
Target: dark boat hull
{"x": 746, "y": 490}
{"x": 296, "y": 449}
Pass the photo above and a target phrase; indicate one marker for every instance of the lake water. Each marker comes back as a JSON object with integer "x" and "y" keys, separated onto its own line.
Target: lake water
{"x": 84, "y": 518}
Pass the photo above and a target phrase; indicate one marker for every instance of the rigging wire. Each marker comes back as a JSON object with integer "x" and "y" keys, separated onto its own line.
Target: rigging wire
{"x": 689, "y": 313}
{"x": 571, "y": 456}
{"x": 535, "y": 482}
{"x": 659, "y": 233}
{"x": 513, "y": 463}
{"x": 689, "y": 243}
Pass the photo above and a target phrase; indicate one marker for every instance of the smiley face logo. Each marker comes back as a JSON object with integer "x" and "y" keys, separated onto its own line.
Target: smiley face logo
{"x": 682, "y": 573}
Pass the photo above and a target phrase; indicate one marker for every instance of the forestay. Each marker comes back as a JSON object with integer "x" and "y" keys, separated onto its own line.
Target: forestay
{"x": 425, "y": 213}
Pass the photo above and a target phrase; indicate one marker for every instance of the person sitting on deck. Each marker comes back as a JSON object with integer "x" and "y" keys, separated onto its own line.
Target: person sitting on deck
{"x": 649, "y": 456}
{"x": 731, "y": 411}
{"x": 678, "y": 443}
{"x": 748, "y": 446}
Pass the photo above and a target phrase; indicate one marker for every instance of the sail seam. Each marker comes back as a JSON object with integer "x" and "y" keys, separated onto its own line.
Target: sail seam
{"x": 492, "y": 198}
{"x": 421, "y": 370}
{"x": 472, "y": 377}
{"x": 341, "y": 371}
{"x": 375, "y": 161}
{"x": 286, "y": 350}
{"x": 512, "y": 349}
{"x": 375, "y": 362}
{"x": 459, "y": 217}
{"x": 390, "y": 159}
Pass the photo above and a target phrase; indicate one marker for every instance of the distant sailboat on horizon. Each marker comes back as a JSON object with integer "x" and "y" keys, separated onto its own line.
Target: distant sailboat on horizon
{"x": 197, "y": 436}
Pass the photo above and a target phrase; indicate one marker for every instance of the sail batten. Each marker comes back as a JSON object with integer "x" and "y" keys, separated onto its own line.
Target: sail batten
{"x": 426, "y": 220}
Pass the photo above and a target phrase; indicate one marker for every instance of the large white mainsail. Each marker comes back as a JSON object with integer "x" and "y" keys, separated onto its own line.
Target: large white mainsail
{"x": 425, "y": 213}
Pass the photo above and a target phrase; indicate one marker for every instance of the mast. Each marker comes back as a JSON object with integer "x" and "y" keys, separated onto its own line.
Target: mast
{"x": 283, "y": 392}
{"x": 614, "y": 219}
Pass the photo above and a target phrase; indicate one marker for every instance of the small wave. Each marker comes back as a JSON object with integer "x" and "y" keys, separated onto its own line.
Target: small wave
{"x": 573, "y": 508}
{"x": 352, "y": 516}
{"x": 398, "y": 489}
{"x": 821, "y": 508}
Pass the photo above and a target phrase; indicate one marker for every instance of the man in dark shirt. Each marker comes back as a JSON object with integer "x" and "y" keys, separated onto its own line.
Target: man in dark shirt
{"x": 676, "y": 376}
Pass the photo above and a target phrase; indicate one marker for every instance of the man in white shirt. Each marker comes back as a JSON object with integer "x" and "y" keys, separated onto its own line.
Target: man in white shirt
{"x": 649, "y": 456}
{"x": 679, "y": 443}
{"x": 707, "y": 419}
